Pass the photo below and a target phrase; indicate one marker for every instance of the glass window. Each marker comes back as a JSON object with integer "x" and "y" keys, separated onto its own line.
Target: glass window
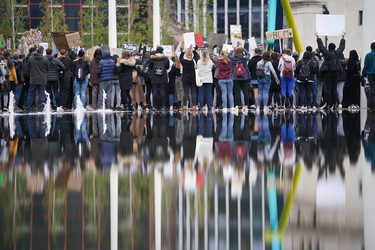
{"x": 36, "y": 11}
{"x": 72, "y": 11}
{"x": 73, "y": 24}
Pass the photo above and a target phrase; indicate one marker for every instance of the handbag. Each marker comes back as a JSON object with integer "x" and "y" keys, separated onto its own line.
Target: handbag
{"x": 198, "y": 80}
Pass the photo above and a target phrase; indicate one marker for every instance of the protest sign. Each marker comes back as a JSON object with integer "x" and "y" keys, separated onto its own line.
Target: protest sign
{"x": 330, "y": 25}
{"x": 235, "y": 32}
{"x": 189, "y": 39}
{"x": 216, "y": 39}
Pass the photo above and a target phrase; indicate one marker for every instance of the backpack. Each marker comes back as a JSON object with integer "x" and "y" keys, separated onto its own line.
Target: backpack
{"x": 304, "y": 73}
{"x": 287, "y": 69}
{"x": 239, "y": 70}
{"x": 260, "y": 71}
{"x": 146, "y": 68}
{"x": 334, "y": 62}
{"x": 159, "y": 68}
{"x": 80, "y": 73}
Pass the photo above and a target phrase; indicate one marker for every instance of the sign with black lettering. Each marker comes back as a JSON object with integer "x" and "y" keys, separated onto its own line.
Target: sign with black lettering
{"x": 279, "y": 34}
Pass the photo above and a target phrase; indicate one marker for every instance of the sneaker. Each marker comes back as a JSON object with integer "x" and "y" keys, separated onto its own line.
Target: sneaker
{"x": 253, "y": 107}
{"x": 171, "y": 108}
{"x": 89, "y": 108}
{"x": 139, "y": 109}
{"x": 340, "y": 106}
{"x": 257, "y": 110}
{"x": 225, "y": 110}
{"x": 314, "y": 108}
{"x": 265, "y": 109}
{"x": 245, "y": 109}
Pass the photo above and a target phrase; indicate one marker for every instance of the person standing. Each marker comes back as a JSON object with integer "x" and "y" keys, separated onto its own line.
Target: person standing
{"x": 369, "y": 72}
{"x": 94, "y": 80}
{"x": 38, "y": 66}
{"x": 205, "y": 66}
{"x": 126, "y": 67}
{"x": 353, "y": 81}
{"x": 116, "y": 91}
{"x": 188, "y": 61}
{"x": 159, "y": 64}
{"x": 225, "y": 81}
{"x": 13, "y": 80}
{"x": 80, "y": 72}
{"x": 55, "y": 66}
{"x": 241, "y": 76}
{"x": 287, "y": 66}
{"x": 264, "y": 82}
{"x": 106, "y": 74}
{"x": 26, "y": 76}
{"x": 252, "y": 65}
{"x": 331, "y": 69}
{"x": 65, "y": 81}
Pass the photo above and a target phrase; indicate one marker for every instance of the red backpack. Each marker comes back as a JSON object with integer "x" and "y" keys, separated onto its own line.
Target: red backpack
{"x": 287, "y": 69}
{"x": 239, "y": 70}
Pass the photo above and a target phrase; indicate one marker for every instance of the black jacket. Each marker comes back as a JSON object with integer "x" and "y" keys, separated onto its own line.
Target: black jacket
{"x": 55, "y": 65}
{"x": 159, "y": 62}
{"x": 38, "y": 66}
{"x": 125, "y": 73}
{"x": 252, "y": 65}
{"x": 331, "y": 57}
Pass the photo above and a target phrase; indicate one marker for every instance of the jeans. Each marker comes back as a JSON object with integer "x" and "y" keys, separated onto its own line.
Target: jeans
{"x": 31, "y": 96}
{"x": 170, "y": 99}
{"x": 263, "y": 90}
{"x": 205, "y": 93}
{"x": 80, "y": 89}
{"x": 226, "y": 87}
{"x": 116, "y": 92}
{"x": 105, "y": 92}
{"x": 53, "y": 90}
{"x": 287, "y": 86}
{"x": 16, "y": 88}
{"x": 190, "y": 89}
{"x": 319, "y": 92}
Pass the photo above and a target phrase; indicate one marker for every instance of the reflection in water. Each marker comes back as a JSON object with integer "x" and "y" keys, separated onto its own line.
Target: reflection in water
{"x": 185, "y": 181}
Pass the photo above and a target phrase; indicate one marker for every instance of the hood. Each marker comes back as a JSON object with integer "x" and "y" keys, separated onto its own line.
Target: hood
{"x": 353, "y": 55}
{"x": 158, "y": 56}
{"x": 130, "y": 62}
{"x": 106, "y": 54}
{"x": 307, "y": 55}
{"x": 288, "y": 58}
{"x": 38, "y": 56}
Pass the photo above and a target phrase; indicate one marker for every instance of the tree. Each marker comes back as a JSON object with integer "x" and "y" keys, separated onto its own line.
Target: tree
{"x": 94, "y": 24}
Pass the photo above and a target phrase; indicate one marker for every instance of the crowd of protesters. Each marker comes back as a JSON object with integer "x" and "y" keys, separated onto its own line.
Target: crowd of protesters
{"x": 229, "y": 81}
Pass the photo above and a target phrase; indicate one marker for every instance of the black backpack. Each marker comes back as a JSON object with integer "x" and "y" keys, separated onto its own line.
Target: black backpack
{"x": 305, "y": 71}
{"x": 334, "y": 62}
{"x": 80, "y": 71}
{"x": 159, "y": 68}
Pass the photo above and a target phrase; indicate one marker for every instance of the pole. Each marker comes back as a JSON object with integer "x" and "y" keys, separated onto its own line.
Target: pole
{"x": 262, "y": 22}
{"x": 187, "y": 20}
{"x": 156, "y": 23}
{"x": 226, "y": 18}
{"x": 215, "y": 16}
{"x": 250, "y": 18}
{"x": 292, "y": 24}
{"x": 112, "y": 24}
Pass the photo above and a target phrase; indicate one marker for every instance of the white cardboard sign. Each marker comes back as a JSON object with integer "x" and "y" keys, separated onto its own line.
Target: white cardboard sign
{"x": 252, "y": 43}
{"x": 189, "y": 39}
{"x": 330, "y": 25}
{"x": 227, "y": 47}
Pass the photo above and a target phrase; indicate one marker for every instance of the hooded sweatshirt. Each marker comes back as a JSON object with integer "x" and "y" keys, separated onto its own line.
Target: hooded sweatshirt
{"x": 287, "y": 58}
{"x": 38, "y": 66}
{"x": 54, "y": 66}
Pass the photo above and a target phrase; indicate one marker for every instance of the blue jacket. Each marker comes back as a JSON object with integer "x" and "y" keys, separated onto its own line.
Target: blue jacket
{"x": 369, "y": 68}
{"x": 244, "y": 60}
{"x": 106, "y": 69}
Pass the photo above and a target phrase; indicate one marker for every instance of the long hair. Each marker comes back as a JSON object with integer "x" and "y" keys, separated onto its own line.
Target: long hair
{"x": 126, "y": 55}
{"x": 177, "y": 63}
{"x": 266, "y": 56}
{"x": 205, "y": 57}
{"x": 224, "y": 56}
{"x": 238, "y": 52}
{"x": 189, "y": 53}
{"x": 98, "y": 55}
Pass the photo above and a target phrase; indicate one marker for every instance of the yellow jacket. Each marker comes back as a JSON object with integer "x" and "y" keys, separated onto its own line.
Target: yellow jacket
{"x": 13, "y": 74}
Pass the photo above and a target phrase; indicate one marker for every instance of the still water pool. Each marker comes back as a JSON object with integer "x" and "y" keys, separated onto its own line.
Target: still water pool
{"x": 188, "y": 181}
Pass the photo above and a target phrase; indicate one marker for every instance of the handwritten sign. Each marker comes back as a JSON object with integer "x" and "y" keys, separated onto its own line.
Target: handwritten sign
{"x": 235, "y": 32}
{"x": 279, "y": 34}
